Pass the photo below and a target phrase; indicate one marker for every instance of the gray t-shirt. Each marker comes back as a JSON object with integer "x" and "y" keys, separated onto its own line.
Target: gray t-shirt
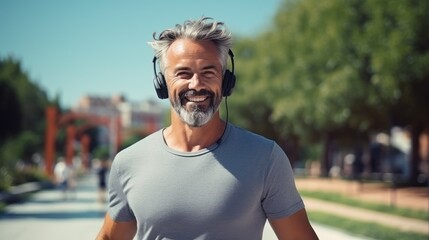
{"x": 226, "y": 191}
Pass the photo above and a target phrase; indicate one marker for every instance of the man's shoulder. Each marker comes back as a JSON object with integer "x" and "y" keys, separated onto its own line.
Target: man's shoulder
{"x": 247, "y": 135}
{"x": 245, "y": 139}
{"x": 141, "y": 145}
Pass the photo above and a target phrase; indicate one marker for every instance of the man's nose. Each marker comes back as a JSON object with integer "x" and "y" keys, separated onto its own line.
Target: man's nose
{"x": 196, "y": 82}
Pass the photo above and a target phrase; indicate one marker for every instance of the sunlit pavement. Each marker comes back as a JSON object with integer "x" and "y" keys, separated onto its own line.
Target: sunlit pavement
{"x": 46, "y": 216}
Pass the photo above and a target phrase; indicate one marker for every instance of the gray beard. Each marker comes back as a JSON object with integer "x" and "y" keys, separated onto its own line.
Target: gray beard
{"x": 197, "y": 116}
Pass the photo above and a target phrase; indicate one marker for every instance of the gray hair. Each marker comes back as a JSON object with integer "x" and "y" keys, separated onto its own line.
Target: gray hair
{"x": 204, "y": 29}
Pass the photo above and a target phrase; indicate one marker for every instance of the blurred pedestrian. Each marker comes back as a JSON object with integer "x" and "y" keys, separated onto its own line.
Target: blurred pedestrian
{"x": 102, "y": 170}
{"x": 65, "y": 178}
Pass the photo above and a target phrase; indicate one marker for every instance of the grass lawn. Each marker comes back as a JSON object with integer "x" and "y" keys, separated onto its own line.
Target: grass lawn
{"x": 360, "y": 228}
{"x": 338, "y": 198}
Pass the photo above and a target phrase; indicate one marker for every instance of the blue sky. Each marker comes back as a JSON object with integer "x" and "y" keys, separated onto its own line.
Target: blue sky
{"x": 72, "y": 48}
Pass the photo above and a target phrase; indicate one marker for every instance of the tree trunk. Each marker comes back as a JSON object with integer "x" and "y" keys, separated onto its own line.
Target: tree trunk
{"x": 415, "y": 157}
{"x": 327, "y": 153}
{"x": 291, "y": 147}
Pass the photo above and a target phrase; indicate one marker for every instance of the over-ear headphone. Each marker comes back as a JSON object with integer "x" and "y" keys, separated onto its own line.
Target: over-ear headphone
{"x": 228, "y": 81}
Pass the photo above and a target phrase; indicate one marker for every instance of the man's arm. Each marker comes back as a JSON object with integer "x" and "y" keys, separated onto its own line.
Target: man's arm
{"x": 112, "y": 230}
{"x": 295, "y": 226}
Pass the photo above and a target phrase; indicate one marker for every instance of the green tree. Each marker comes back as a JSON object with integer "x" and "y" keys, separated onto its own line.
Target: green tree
{"x": 337, "y": 71}
{"x": 22, "y": 124}
{"x": 252, "y": 100}
{"x": 398, "y": 38}
{"x": 10, "y": 109}
{"x": 323, "y": 85}
{"x": 23, "y": 99}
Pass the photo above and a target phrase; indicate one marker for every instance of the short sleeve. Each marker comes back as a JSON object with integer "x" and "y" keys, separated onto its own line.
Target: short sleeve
{"x": 281, "y": 198}
{"x": 119, "y": 209}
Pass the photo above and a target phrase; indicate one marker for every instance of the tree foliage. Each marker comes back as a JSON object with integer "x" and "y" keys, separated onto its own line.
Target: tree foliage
{"x": 336, "y": 70}
{"x": 22, "y": 107}
{"x": 23, "y": 102}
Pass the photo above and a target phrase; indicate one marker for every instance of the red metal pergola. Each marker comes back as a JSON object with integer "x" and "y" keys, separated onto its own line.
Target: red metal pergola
{"x": 54, "y": 121}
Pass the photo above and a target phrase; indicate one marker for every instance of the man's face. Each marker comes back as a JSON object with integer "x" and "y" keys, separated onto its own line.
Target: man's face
{"x": 194, "y": 80}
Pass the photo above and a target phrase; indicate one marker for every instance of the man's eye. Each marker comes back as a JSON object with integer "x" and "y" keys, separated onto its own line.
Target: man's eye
{"x": 209, "y": 74}
{"x": 185, "y": 75}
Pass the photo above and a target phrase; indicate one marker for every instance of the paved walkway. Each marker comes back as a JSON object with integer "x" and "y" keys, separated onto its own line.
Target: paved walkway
{"x": 47, "y": 216}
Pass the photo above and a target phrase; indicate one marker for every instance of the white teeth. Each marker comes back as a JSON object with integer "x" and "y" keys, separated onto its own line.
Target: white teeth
{"x": 197, "y": 99}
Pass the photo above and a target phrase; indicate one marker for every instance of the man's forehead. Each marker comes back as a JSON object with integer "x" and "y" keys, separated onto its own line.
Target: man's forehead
{"x": 186, "y": 53}
{"x": 194, "y": 64}
{"x": 191, "y": 47}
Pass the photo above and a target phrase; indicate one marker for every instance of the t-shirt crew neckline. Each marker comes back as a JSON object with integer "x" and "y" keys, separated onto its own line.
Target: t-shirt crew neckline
{"x": 210, "y": 148}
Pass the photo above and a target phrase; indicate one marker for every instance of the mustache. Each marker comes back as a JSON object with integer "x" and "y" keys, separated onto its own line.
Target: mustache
{"x": 193, "y": 93}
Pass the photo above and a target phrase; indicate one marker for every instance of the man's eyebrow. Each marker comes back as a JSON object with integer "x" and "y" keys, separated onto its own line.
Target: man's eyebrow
{"x": 209, "y": 67}
{"x": 182, "y": 69}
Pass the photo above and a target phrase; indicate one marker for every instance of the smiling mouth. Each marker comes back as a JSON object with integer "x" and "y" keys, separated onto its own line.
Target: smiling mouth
{"x": 196, "y": 97}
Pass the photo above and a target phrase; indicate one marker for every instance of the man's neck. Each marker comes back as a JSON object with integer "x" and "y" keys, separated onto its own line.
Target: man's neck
{"x": 182, "y": 137}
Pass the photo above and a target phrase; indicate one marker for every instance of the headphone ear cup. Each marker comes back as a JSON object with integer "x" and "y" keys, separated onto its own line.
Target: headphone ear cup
{"x": 160, "y": 86}
{"x": 228, "y": 83}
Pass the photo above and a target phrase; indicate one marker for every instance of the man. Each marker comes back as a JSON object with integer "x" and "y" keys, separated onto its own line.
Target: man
{"x": 201, "y": 177}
